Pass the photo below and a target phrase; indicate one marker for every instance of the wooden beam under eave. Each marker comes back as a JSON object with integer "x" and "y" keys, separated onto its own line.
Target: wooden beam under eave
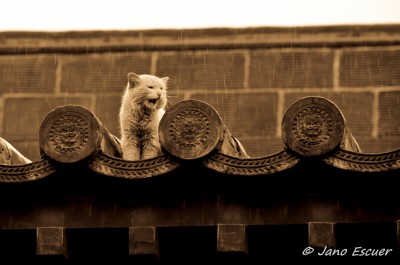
{"x": 321, "y": 234}
{"x": 232, "y": 238}
{"x": 51, "y": 241}
{"x": 143, "y": 241}
{"x": 398, "y": 232}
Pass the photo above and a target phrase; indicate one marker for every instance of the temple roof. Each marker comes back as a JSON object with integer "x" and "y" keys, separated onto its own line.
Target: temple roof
{"x": 204, "y": 183}
{"x": 313, "y": 128}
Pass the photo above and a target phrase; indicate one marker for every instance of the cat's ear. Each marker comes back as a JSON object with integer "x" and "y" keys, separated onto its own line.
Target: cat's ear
{"x": 165, "y": 79}
{"x": 133, "y": 79}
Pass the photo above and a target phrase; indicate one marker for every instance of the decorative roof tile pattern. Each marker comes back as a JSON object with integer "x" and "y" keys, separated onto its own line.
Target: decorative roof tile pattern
{"x": 312, "y": 128}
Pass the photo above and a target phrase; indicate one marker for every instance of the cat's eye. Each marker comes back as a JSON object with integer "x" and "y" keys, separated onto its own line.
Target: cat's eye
{"x": 150, "y": 86}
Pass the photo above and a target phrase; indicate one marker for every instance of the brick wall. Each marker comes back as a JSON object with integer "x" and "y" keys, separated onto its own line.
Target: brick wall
{"x": 249, "y": 75}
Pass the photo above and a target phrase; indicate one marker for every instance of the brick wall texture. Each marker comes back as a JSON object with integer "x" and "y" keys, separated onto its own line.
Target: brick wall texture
{"x": 251, "y": 76}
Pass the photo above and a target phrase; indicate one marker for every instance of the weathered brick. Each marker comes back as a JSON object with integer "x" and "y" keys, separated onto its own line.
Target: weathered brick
{"x": 381, "y": 145}
{"x": 355, "y": 107}
{"x": 23, "y": 116}
{"x": 101, "y": 72}
{"x": 389, "y": 114}
{"x": 27, "y": 73}
{"x": 202, "y": 69}
{"x": 245, "y": 114}
{"x": 107, "y": 109}
{"x": 261, "y": 146}
{"x": 370, "y": 68}
{"x": 29, "y": 149}
{"x": 284, "y": 69}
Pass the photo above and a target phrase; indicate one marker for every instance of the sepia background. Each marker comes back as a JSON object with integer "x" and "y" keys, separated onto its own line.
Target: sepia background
{"x": 250, "y": 73}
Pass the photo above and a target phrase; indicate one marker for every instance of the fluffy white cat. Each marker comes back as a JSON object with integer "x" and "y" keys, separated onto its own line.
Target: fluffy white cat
{"x": 143, "y": 105}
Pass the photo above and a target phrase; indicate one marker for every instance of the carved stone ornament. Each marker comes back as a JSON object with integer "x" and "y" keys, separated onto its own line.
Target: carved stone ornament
{"x": 251, "y": 166}
{"x": 69, "y": 134}
{"x": 191, "y": 129}
{"x": 312, "y": 126}
{"x": 353, "y": 161}
{"x": 27, "y": 172}
{"x": 117, "y": 167}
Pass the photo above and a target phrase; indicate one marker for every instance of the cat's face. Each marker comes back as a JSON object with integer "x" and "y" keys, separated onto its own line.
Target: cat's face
{"x": 148, "y": 90}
